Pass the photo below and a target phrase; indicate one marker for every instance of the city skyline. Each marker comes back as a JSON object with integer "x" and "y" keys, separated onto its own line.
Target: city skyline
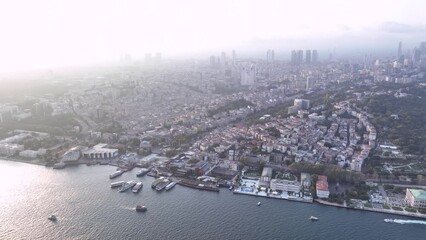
{"x": 55, "y": 33}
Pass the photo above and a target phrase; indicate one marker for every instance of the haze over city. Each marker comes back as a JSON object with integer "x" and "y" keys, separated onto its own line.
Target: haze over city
{"x": 50, "y": 33}
{"x": 212, "y": 119}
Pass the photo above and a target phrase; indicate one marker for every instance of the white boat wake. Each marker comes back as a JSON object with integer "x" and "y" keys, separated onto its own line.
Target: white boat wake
{"x": 401, "y": 221}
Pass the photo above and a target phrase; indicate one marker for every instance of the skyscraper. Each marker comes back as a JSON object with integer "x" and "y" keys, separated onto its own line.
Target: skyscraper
{"x": 399, "y": 50}
{"x": 300, "y": 57}
{"x": 314, "y": 56}
{"x": 309, "y": 83}
{"x": 272, "y": 55}
{"x": 268, "y": 55}
{"x": 293, "y": 57}
{"x": 223, "y": 59}
{"x": 308, "y": 56}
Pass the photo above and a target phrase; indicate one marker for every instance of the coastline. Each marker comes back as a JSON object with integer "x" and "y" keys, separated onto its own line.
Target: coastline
{"x": 319, "y": 201}
{"x": 390, "y": 211}
{"x": 23, "y": 161}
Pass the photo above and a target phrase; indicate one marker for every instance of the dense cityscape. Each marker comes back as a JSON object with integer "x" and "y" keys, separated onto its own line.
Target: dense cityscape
{"x": 212, "y": 119}
{"x": 302, "y": 130}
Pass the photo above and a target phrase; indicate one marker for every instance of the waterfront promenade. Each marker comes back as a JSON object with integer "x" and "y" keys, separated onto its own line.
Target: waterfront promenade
{"x": 388, "y": 211}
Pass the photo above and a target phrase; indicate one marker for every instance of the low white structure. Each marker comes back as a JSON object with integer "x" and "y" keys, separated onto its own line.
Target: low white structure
{"x": 28, "y": 153}
{"x": 10, "y": 148}
{"x": 71, "y": 155}
{"x": 100, "y": 151}
{"x": 285, "y": 185}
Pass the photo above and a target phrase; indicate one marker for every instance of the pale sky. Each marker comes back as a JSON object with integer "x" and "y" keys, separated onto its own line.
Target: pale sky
{"x": 48, "y": 33}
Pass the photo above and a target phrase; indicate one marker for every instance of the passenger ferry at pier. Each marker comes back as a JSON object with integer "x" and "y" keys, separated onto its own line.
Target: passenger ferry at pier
{"x": 117, "y": 184}
{"x": 116, "y": 174}
{"x": 142, "y": 172}
{"x": 170, "y": 186}
{"x": 162, "y": 185}
{"x": 137, "y": 187}
{"x": 156, "y": 182}
{"x": 127, "y": 185}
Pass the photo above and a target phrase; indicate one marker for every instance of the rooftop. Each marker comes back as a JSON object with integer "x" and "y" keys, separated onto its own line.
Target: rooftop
{"x": 419, "y": 194}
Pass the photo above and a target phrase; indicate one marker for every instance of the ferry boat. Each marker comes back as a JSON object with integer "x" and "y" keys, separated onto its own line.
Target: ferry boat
{"x": 116, "y": 174}
{"x": 127, "y": 185}
{"x": 162, "y": 185}
{"x": 312, "y": 218}
{"x": 142, "y": 172}
{"x": 156, "y": 182}
{"x": 140, "y": 208}
{"x": 170, "y": 186}
{"x": 137, "y": 187}
{"x": 117, "y": 184}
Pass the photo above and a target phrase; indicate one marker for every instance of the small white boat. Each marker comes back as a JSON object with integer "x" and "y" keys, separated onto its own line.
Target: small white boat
{"x": 389, "y": 220}
{"x": 52, "y": 218}
{"x": 312, "y": 218}
{"x": 258, "y": 204}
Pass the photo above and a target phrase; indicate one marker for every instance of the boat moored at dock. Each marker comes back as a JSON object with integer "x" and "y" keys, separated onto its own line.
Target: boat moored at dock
{"x": 162, "y": 185}
{"x": 142, "y": 172}
{"x": 156, "y": 182}
{"x": 170, "y": 186}
{"x": 137, "y": 187}
{"x": 127, "y": 185}
{"x": 117, "y": 184}
{"x": 116, "y": 174}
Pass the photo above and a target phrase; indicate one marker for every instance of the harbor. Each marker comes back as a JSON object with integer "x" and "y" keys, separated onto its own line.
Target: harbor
{"x": 107, "y": 210}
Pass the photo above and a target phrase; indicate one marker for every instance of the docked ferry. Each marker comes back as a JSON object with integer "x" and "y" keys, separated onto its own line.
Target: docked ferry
{"x": 162, "y": 185}
{"x": 170, "y": 186}
{"x": 137, "y": 187}
{"x": 127, "y": 185}
{"x": 117, "y": 184}
{"x": 116, "y": 174}
{"x": 142, "y": 172}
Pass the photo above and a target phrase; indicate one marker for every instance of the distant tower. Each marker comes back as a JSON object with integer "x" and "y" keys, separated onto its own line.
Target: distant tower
{"x": 223, "y": 59}
{"x": 293, "y": 57}
{"x": 300, "y": 56}
{"x": 314, "y": 56}
{"x": 212, "y": 61}
{"x": 308, "y": 56}
{"x": 272, "y": 55}
{"x": 268, "y": 55}
{"x": 309, "y": 83}
{"x": 399, "y": 50}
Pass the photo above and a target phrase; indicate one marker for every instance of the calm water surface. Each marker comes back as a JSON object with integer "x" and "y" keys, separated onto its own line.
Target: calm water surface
{"x": 87, "y": 208}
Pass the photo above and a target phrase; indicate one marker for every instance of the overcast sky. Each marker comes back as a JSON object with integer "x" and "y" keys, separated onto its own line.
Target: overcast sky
{"x": 47, "y": 33}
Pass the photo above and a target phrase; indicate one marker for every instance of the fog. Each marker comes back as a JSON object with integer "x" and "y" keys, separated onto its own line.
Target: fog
{"x": 51, "y": 33}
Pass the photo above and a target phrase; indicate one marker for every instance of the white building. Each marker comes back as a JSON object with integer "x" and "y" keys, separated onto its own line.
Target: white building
{"x": 285, "y": 185}
{"x": 100, "y": 151}
{"x": 248, "y": 75}
{"x": 28, "y": 153}
{"x": 71, "y": 155}
{"x": 10, "y": 148}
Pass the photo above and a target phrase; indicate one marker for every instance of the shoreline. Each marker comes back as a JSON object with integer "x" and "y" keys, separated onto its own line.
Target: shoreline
{"x": 23, "y": 161}
{"x": 319, "y": 201}
{"x": 392, "y": 212}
